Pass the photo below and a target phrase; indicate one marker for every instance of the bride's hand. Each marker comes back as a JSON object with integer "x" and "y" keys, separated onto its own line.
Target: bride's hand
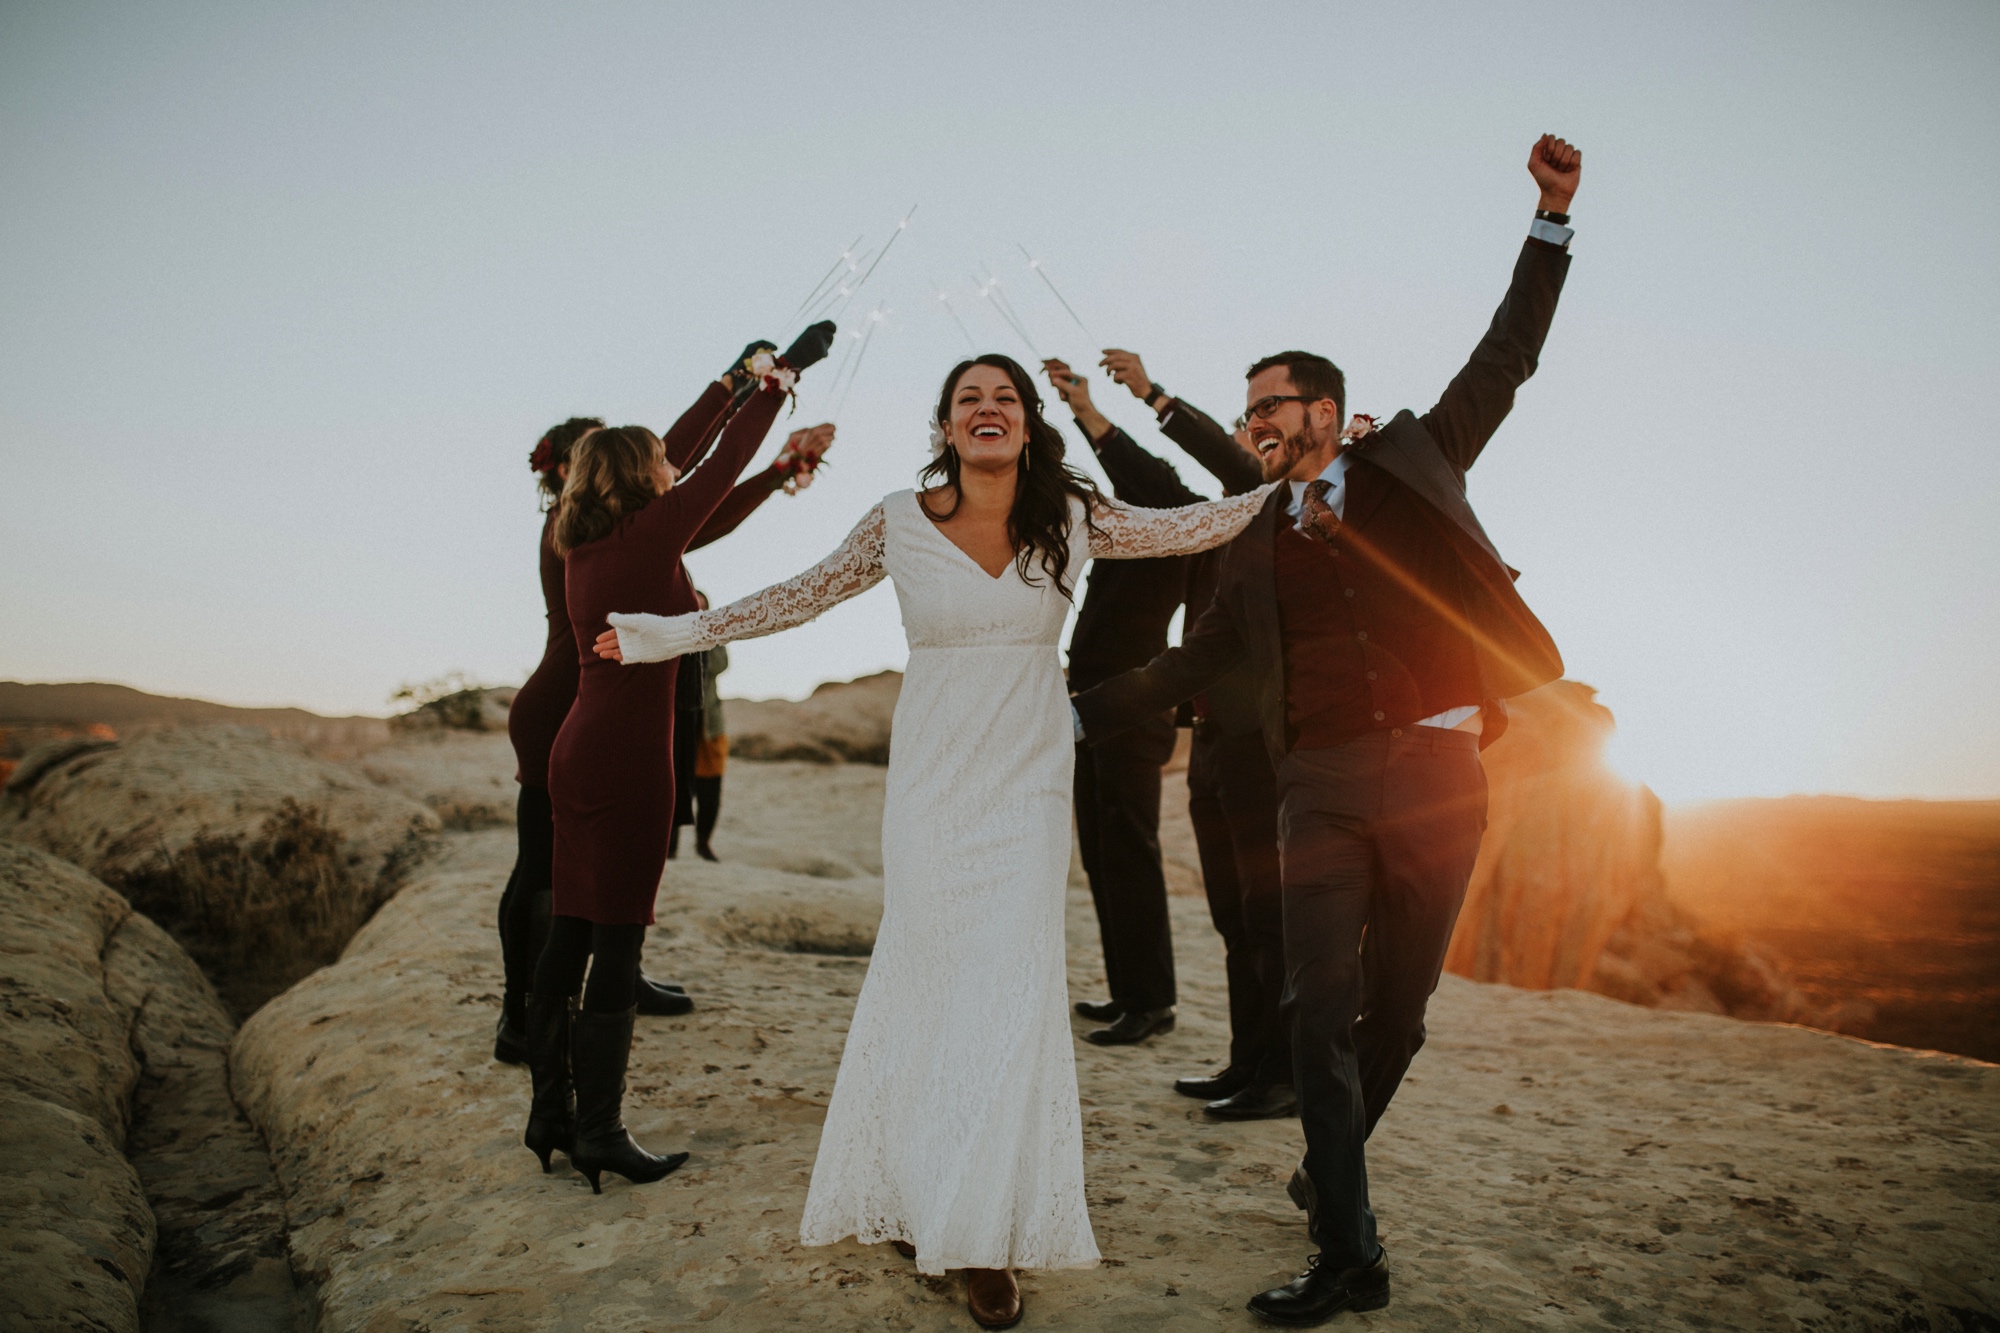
{"x": 607, "y": 646}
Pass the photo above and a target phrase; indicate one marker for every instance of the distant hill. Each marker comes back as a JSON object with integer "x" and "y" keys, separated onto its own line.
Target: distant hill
{"x": 32, "y": 713}
{"x": 1892, "y": 903}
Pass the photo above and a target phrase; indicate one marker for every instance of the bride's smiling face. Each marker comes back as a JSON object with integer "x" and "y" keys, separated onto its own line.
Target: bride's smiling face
{"x": 989, "y": 426}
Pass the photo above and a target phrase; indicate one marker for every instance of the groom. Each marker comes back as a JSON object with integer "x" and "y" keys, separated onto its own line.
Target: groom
{"x": 1387, "y": 631}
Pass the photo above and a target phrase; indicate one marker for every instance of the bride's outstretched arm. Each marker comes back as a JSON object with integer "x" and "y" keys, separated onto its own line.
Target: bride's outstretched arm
{"x": 852, "y": 569}
{"x": 1124, "y": 533}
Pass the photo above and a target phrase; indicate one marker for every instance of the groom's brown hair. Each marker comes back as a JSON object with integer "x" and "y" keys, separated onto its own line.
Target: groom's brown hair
{"x": 1314, "y": 375}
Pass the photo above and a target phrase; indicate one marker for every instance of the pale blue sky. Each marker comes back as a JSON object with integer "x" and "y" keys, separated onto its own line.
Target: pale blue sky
{"x": 287, "y": 293}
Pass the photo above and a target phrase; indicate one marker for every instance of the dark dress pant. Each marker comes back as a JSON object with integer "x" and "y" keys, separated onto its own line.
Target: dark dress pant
{"x": 1233, "y": 804}
{"x": 1118, "y": 835}
{"x": 1378, "y": 839}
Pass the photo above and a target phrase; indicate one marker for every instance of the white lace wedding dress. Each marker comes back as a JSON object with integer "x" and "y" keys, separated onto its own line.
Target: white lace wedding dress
{"x": 954, "y": 1122}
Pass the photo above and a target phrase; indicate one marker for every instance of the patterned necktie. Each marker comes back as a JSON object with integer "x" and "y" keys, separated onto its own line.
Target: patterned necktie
{"x": 1316, "y": 517}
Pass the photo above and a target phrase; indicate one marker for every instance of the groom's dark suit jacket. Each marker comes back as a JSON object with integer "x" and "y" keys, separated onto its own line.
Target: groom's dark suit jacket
{"x": 1435, "y": 620}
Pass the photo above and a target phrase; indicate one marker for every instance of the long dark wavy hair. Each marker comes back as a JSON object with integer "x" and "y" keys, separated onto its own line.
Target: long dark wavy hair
{"x": 1038, "y": 525}
{"x": 610, "y": 476}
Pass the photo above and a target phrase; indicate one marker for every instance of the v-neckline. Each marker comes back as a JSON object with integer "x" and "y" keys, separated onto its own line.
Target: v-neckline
{"x": 917, "y": 497}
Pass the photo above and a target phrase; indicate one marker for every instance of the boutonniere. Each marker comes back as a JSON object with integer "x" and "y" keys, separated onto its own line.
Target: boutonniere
{"x": 1360, "y": 430}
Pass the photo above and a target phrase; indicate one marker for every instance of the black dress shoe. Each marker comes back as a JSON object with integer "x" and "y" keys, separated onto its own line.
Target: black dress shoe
{"x": 1318, "y": 1294}
{"x": 1210, "y": 1087}
{"x": 1259, "y": 1101}
{"x": 658, "y": 1000}
{"x": 1100, "y": 1011}
{"x": 1132, "y": 1027}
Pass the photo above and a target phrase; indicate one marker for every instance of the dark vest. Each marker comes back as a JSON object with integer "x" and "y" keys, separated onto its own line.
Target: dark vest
{"x": 1372, "y": 627}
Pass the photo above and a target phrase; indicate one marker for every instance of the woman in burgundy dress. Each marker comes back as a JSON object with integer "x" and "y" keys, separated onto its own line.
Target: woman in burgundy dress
{"x": 542, "y": 704}
{"x": 624, "y": 521}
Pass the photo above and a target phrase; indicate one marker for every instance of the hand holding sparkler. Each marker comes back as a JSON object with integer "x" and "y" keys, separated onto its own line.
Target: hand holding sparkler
{"x": 1074, "y": 390}
{"x": 1126, "y": 368}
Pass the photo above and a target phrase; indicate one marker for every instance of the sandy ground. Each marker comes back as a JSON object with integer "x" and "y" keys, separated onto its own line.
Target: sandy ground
{"x": 1556, "y": 1159}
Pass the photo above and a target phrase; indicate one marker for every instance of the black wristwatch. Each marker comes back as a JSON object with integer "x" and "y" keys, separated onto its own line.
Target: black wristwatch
{"x": 1153, "y": 398}
{"x": 1550, "y": 215}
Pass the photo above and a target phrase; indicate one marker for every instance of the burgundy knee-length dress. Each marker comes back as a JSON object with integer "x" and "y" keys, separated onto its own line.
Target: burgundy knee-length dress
{"x": 611, "y": 773}
{"x": 542, "y": 704}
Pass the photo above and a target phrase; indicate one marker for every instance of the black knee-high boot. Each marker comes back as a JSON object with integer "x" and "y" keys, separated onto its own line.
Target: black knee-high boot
{"x": 527, "y": 933}
{"x": 552, "y": 1114}
{"x": 601, "y": 1046}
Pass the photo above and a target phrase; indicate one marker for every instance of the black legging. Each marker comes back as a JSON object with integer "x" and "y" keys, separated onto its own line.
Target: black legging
{"x": 524, "y": 905}
{"x": 614, "y": 976}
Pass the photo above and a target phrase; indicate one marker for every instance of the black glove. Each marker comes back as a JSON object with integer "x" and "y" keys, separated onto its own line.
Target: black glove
{"x": 810, "y": 346}
{"x": 739, "y": 370}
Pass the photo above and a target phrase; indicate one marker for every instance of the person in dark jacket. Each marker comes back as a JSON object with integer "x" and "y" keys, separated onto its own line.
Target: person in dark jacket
{"x": 1122, "y": 623}
{"x": 1387, "y": 632}
{"x": 1232, "y": 798}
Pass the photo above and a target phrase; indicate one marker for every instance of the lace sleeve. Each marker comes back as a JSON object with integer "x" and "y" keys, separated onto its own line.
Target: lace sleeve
{"x": 1125, "y": 533}
{"x": 854, "y": 568}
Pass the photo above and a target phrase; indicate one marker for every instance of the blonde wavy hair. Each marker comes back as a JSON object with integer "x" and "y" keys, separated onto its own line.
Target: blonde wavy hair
{"x": 610, "y": 476}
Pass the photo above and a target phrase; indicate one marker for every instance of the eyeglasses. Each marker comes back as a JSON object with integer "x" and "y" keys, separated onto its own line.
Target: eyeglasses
{"x": 1262, "y": 409}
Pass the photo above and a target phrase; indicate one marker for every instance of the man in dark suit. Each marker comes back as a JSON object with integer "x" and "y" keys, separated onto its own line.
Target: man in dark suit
{"x": 1232, "y": 790}
{"x": 1387, "y": 631}
{"x": 1122, "y": 623}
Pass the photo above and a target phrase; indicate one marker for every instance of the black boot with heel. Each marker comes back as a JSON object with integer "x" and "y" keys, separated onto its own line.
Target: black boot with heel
{"x": 600, "y": 1048}
{"x": 552, "y": 1114}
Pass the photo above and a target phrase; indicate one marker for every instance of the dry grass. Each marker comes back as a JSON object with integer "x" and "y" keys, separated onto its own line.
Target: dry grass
{"x": 260, "y": 912}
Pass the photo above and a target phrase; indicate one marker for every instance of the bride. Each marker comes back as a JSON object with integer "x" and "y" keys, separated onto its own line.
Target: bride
{"x": 954, "y": 1129}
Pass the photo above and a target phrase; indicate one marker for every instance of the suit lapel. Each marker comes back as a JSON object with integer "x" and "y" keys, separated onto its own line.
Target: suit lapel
{"x": 1405, "y": 450}
{"x": 1367, "y": 485}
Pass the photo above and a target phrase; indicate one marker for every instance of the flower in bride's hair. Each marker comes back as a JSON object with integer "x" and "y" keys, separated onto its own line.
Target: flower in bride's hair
{"x": 937, "y": 438}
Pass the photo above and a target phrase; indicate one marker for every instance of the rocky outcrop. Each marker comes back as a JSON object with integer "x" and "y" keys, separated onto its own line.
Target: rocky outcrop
{"x": 113, "y": 1091}
{"x": 467, "y": 777}
{"x": 259, "y": 858}
{"x": 32, "y": 714}
{"x": 841, "y": 720}
{"x": 1568, "y": 892}
{"x": 1551, "y": 1160}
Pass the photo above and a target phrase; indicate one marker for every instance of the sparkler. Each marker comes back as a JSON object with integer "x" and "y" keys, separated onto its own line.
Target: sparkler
{"x": 846, "y": 257}
{"x": 1043, "y": 274}
{"x": 944, "y": 299}
{"x": 875, "y": 320}
{"x": 989, "y": 287}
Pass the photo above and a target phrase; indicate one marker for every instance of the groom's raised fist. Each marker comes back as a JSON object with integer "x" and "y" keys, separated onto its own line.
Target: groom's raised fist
{"x": 1556, "y": 167}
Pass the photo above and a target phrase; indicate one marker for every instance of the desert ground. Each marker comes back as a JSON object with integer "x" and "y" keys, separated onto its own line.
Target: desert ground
{"x": 1557, "y": 1159}
{"x": 349, "y": 1159}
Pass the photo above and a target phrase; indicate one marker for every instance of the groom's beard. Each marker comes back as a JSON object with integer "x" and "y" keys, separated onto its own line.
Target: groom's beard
{"x": 1291, "y": 448}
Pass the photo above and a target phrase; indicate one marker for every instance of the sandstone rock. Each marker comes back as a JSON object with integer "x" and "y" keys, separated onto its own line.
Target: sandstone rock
{"x": 115, "y": 811}
{"x": 1569, "y": 849}
{"x": 78, "y": 1234}
{"x": 842, "y": 720}
{"x": 1668, "y": 1169}
{"x": 467, "y": 777}
{"x": 110, "y": 1040}
{"x": 261, "y": 860}
{"x": 1568, "y": 891}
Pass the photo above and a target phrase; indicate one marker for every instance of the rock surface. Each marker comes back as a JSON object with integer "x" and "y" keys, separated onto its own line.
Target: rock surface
{"x": 1568, "y": 890}
{"x": 841, "y": 720}
{"x": 116, "y": 811}
{"x": 466, "y": 777}
{"x": 78, "y": 1236}
{"x": 1556, "y": 1159}
{"x": 119, "y": 1127}
{"x": 261, "y": 860}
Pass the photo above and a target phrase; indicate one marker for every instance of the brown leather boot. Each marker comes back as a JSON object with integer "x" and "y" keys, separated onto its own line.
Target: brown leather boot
{"x": 993, "y": 1297}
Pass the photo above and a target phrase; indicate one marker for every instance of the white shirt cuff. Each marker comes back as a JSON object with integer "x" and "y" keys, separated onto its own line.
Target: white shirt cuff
{"x": 1542, "y": 229}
